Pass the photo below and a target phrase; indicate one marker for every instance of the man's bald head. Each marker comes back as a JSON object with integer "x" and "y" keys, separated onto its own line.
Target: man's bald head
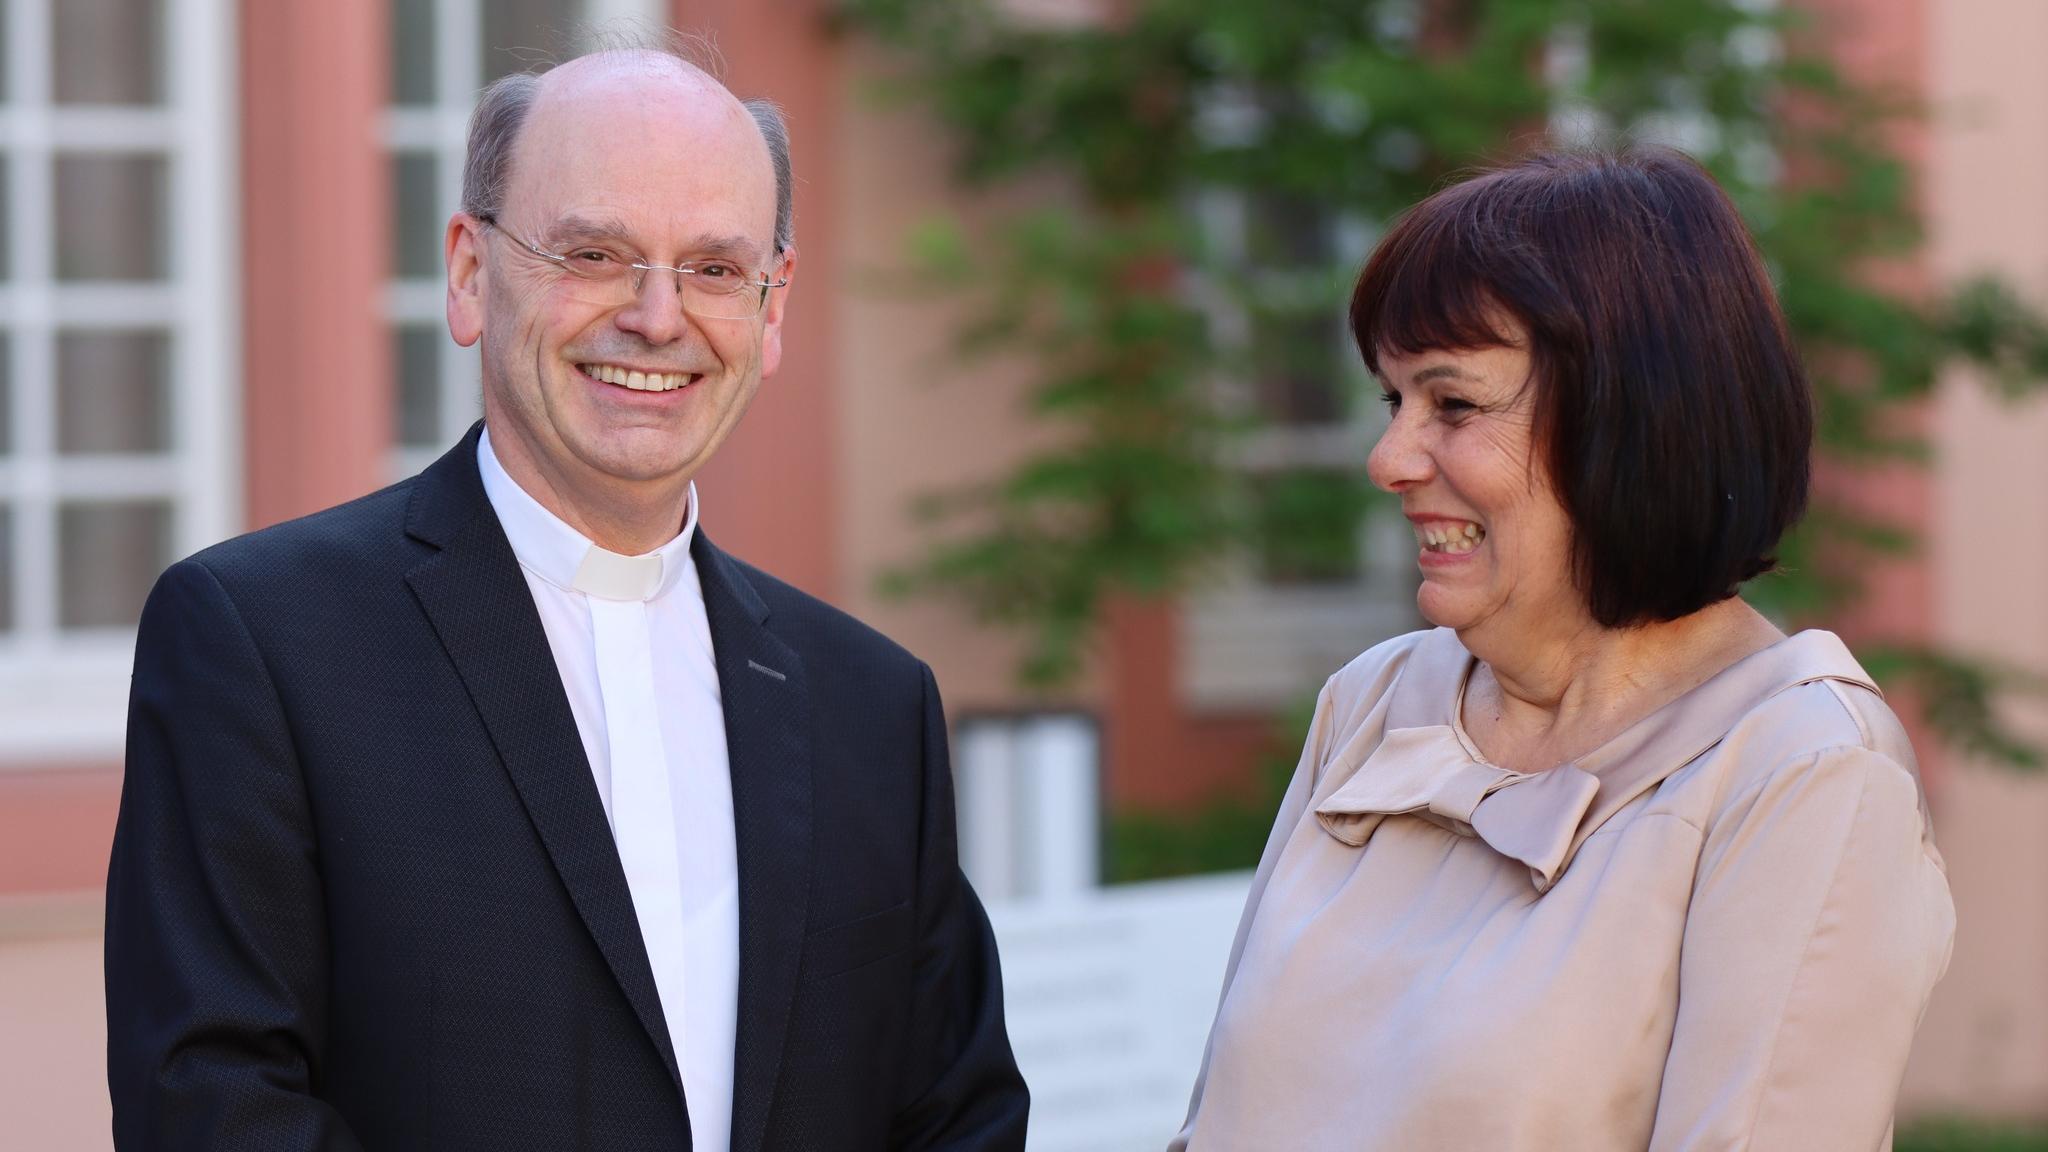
{"x": 503, "y": 109}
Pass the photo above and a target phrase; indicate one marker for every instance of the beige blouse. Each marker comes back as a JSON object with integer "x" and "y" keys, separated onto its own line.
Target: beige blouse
{"x": 1717, "y": 931}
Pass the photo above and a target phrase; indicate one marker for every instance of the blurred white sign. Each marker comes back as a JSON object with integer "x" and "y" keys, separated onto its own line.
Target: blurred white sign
{"x": 1109, "y": 995}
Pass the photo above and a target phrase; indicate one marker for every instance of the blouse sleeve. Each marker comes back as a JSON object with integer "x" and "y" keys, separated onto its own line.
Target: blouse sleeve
{"x": 1819, "y": 923}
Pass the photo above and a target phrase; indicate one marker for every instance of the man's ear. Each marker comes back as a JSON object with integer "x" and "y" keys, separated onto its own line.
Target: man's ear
{"x": 462, "y": 250}
{"x": 771, "y": 314}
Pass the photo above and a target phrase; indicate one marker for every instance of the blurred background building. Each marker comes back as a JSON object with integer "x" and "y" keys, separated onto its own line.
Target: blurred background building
{"x": 220, "y": 307}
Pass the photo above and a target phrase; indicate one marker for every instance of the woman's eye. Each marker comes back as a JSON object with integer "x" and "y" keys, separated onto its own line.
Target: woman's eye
{"x": 1392, "y": 400}
{"x": 1455, "y": 406}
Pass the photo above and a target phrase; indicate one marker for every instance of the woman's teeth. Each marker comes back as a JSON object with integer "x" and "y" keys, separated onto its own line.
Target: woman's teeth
{"x": 637, "y": 381}
{"x": 1455, "y": 539}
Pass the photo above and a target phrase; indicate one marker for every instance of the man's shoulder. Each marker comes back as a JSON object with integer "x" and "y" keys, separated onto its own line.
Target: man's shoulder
{"x": 362, "y": 535}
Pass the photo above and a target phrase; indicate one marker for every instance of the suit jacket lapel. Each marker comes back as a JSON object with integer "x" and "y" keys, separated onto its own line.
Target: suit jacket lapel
{"x": 477, "y": 600}
{"x": 767, "y": 738}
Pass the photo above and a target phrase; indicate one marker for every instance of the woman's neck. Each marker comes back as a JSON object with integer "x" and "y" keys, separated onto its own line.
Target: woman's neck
{"x": 1535, "y": 703}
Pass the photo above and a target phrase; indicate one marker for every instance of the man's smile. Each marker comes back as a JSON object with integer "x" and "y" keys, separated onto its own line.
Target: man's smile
{"x": 638, "y": 380}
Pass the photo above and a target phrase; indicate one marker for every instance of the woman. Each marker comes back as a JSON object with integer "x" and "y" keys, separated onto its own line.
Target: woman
{"x": 1605, "y": 861}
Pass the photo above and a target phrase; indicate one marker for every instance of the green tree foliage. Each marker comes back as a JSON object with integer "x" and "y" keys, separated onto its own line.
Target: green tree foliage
{"x": 1354, "y": 110}
{"x": 1956, "y": 1134}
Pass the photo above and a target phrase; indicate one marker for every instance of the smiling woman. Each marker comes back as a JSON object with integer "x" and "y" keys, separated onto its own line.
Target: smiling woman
{"x": 1636, "y": 325}
{"x": 1606, "y": 860}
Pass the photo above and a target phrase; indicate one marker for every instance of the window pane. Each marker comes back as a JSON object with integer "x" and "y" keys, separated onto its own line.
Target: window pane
{"x": 412, "y": 51}
{"x": 110, "y": 217}
{"x": 1298, "y": 353}
{"x": 113, "y": 392}
{"x": 417, "y": 352}
{"x": 108, "y": 555}
{"x": 109, "y": 51}
{"x": 1298, "y": 367}
{"x": 6, "y": 568}
{"x": 520, "y": 33}
{"x": 417, "y": 210}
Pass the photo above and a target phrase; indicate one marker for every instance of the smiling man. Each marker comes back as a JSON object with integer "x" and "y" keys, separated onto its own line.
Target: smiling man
{"x": 501, "y": 809}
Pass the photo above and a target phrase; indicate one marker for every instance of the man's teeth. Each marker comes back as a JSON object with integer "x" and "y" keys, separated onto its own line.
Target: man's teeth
{"x": 637, "y": 381}
{"x": 1452, "y": 538}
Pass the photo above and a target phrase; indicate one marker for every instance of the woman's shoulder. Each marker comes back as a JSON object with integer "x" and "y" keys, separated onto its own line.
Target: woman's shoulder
{"x": 1829, "y": 712}
{"x": 1370, "y": 677}
{"x": 1359, "y": 702}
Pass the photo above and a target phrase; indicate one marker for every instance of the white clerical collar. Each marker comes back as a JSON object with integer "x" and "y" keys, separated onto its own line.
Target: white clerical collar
{"x": 563, "y": 557}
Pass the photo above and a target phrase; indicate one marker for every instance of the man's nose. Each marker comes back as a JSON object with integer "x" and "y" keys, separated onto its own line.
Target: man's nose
{"x": 656, "y": 312}
{"x": 1399, "y": 460}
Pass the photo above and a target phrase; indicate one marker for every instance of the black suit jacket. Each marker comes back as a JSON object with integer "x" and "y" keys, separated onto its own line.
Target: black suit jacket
{"x": 363, "y": 893}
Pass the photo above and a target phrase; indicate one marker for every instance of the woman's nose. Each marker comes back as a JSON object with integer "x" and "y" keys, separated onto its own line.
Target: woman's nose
{"x": 1399, "y": 460}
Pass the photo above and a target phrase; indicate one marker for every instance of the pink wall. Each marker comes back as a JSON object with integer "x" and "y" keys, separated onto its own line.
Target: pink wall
{"x": 315, "y": 206}
{"x": 912, "y": 419}
{"x": 53, "y": 1037}
{"x": 56, "y": 826}
{"x": 1985, "y": 1041}
{"x": 1161, "y": 754}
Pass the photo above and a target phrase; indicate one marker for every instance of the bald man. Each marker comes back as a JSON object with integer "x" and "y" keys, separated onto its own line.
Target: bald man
{"x": 500, "y": 809}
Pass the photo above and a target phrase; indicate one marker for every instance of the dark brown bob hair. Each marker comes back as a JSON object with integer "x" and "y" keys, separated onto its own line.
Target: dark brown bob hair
{"x": 1671, "y": 411}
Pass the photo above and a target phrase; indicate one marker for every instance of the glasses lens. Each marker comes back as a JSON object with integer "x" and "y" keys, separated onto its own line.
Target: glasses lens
{"x": 739, "y": 306}
{"x": 610, "y": 284}
{"x": 719, "y": 291}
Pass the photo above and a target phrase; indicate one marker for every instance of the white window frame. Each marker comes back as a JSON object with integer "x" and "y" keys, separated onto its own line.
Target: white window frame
{"x": 64, "y": 694}
{"x": 1028, "y": 788}
{"x": 441, "y": 128}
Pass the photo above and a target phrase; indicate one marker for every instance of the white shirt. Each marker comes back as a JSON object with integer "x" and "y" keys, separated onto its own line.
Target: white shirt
{"x": 696, "y": 969}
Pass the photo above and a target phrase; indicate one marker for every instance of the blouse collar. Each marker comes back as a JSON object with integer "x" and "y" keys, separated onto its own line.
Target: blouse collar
{"x": 1424, "y": 764}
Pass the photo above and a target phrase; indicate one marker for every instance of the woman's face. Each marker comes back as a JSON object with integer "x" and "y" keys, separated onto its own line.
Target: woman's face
{"x": 1459, "y": 450}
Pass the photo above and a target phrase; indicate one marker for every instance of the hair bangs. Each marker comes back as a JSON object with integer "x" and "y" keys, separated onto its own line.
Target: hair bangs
{"x": 1429, "y": 286}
